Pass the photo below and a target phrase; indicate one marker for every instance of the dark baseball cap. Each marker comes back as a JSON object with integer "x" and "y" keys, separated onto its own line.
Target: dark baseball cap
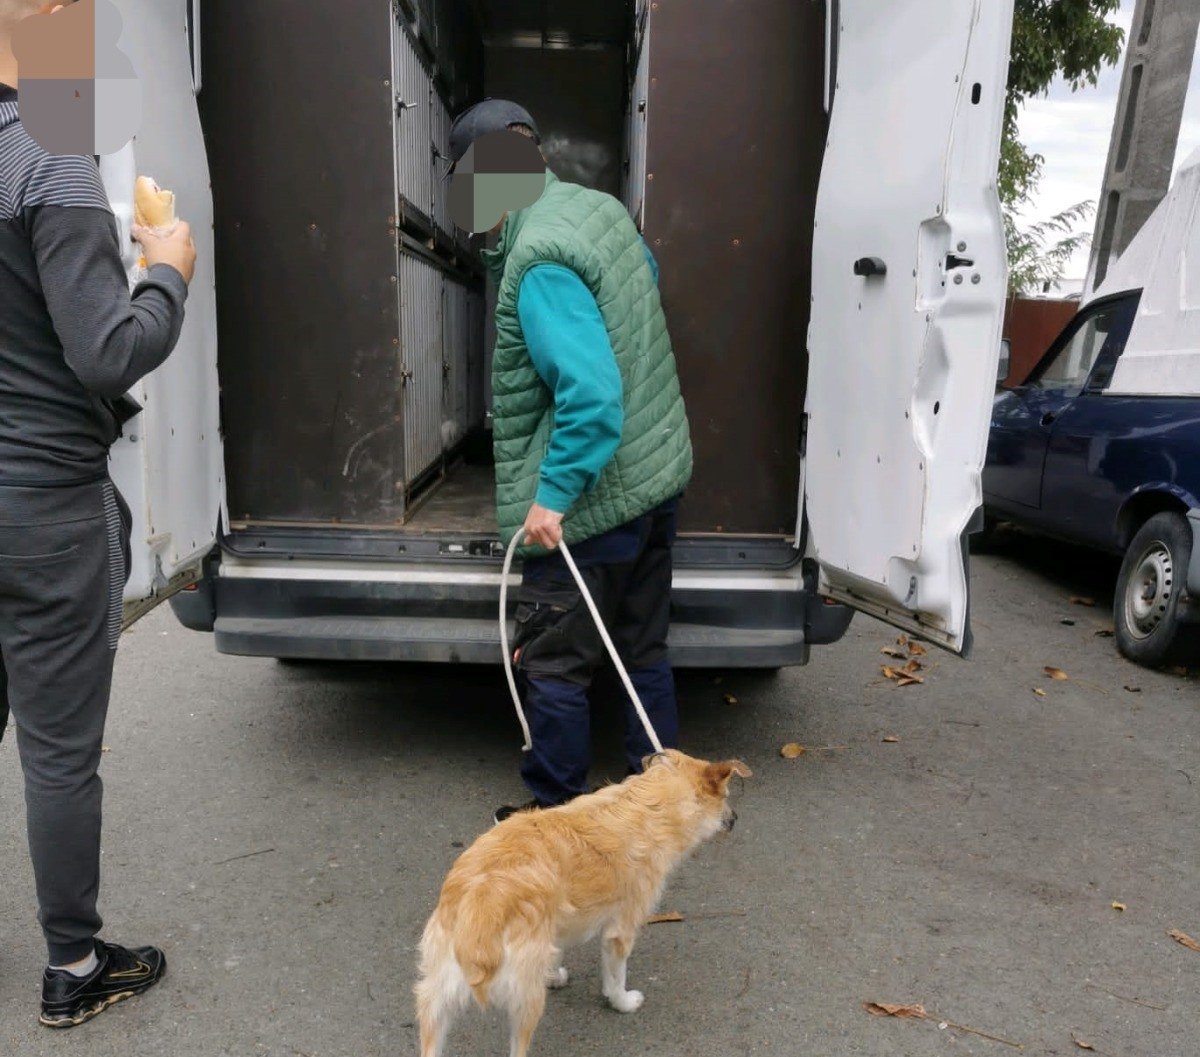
{"x": 492, "y": 115}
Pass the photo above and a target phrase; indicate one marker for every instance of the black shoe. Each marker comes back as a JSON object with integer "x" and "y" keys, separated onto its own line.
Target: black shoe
{"x": 507, "y": 811}
{"x": 69, "y": 1000}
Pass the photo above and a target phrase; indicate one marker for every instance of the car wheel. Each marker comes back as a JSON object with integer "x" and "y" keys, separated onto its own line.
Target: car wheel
{"x": 1152, "y": 579}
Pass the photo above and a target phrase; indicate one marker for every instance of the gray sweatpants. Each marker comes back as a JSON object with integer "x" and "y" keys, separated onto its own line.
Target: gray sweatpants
{"x": 63, "y": 564}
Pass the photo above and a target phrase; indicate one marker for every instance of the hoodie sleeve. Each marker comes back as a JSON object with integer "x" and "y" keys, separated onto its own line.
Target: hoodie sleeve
{"x": 569, "y": 346}
{"x": 110, "y": 339}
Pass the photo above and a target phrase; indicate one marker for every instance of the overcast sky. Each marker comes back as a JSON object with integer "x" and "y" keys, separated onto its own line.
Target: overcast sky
{"x": 1072, "y": 130}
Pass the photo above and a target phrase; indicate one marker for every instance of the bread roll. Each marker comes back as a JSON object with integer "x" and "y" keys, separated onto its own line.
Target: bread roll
{"x": 152, "y": 206}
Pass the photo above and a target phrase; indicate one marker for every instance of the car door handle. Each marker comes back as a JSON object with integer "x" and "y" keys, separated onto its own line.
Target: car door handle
{"x": 1048, "y": 417}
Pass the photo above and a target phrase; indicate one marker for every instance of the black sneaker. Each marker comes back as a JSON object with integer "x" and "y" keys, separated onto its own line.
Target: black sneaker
{"x": 69, "y": 1000}
{"x": 507, "y": 811}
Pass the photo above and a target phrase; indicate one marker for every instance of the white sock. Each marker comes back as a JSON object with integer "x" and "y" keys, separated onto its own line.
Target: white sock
{"x": 81, "y": 968}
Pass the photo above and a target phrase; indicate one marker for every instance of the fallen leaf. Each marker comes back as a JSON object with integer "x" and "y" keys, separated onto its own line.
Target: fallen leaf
{"x": 1104, "y": 633}
{"x": 791, "y": 750}
{"x": 669, "y": 917}
{"x": 1134, "y": 689}
{"x": 913, "y": 666}
{"x": 1039, "y": 691}
{"x": 1117, "y": 905}
{"x": 1081, "y": 1044}
{"x": 730, "y": 699}
{"x": 105, "y": 748}
{"x": 909, "y": 680}
{"x": 890, "y": 738}
{"x": 916, "y": 649}
{"x": 1081, "y": 600}
{"x": 902, "y": 640}
{"x": 1055, "y": 673}
{"x": 890, "y": 1009}
{"x": 889, "y": 672}
{"x": 891, "y": 651}
{"x": 1184, "y": 939}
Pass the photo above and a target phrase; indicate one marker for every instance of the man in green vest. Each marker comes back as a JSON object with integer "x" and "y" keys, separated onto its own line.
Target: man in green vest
{"x": 590, "y": 434}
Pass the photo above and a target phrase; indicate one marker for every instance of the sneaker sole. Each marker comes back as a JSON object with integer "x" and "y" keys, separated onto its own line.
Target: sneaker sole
{"x": 87, "y": 1014}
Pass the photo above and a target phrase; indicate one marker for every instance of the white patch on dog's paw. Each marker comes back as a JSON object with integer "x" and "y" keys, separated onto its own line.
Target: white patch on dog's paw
{"x": 627, "y": 1001}
{"x": 558, "y": 977}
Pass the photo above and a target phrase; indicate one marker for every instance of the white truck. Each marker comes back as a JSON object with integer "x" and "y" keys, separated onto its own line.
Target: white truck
{"x": 309, "y": 476}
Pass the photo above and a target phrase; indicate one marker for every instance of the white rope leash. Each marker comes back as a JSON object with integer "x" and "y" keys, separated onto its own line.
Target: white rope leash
{"x": 612, "y": 650}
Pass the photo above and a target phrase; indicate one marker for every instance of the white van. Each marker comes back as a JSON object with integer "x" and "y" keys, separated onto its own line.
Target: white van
{"x": 817, "y": 182}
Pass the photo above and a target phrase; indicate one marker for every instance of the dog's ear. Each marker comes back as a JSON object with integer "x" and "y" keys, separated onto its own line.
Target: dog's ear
{"x": 740, "y": 769}
{"x": 717, "y": 775}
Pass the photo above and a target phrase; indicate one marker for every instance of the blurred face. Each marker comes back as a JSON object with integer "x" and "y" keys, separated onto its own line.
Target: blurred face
{"x": 500, "y": 172}
{"x": 79, "y": 92}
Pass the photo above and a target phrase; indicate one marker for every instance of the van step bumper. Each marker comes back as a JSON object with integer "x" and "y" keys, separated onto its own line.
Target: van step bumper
{"x": 467, "y": 641}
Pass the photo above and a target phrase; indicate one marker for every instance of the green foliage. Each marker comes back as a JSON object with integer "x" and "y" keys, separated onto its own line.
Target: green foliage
{"x": 1071, "y": 38}
{"x": 1037, "y": 254}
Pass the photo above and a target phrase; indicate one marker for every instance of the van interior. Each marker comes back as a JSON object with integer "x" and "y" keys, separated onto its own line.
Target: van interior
{"x": 354, "y": 320}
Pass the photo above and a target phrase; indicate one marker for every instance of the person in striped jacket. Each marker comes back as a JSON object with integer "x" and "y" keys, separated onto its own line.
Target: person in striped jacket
{"x": 73, "y": 340}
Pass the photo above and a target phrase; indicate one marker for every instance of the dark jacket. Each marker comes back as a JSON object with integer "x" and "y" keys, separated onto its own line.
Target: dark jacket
{"x": 72, "y": 338}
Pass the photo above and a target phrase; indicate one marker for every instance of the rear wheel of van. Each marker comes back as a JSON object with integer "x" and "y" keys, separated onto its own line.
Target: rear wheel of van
{"x": 1151, "y": 582}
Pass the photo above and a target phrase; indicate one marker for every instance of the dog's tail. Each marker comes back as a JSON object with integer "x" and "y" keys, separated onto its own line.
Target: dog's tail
{"x": 479, "y": 940}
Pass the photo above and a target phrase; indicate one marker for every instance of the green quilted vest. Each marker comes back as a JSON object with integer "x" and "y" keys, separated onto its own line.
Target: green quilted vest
{"x": 592, "y": 234}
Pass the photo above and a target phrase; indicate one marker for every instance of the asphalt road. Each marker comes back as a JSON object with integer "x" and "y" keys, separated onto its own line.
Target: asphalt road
{"x": 282, "y": 832}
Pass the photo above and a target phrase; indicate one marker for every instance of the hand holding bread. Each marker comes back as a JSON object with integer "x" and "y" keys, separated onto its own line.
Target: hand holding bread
{"x": 164, "y": 238}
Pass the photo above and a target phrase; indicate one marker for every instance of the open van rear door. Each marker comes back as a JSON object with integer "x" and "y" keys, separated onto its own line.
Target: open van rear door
{"x": 908, "y": 288}
{"x": 169, "y": 462}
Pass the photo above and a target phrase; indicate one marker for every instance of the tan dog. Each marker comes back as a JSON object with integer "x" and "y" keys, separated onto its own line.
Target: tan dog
{"x": 545, "y": 880}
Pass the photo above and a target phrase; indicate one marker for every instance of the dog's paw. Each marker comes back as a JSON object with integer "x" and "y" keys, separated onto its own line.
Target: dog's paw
{"x": 558, "y": 978}
{"x": 627, "y": 1001}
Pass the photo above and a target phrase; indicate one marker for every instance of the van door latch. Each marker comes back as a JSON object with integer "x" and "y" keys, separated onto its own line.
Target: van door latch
{"x": 953, "y": 260}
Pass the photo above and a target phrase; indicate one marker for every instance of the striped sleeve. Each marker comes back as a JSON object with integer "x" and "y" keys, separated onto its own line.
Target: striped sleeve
{"x": 110, "y": 340}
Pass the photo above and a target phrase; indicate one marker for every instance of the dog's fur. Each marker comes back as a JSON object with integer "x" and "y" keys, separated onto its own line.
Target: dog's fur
{"x": 545, "y": 880}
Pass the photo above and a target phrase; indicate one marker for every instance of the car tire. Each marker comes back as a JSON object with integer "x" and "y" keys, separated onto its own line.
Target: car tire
{"x": 1149, "y": 587}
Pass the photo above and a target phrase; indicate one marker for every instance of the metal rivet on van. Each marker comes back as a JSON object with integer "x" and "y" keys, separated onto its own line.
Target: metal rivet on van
{"x": 962, "y": 246}
{"x": 975, "y": 278}
{"x": 957, "y": 280}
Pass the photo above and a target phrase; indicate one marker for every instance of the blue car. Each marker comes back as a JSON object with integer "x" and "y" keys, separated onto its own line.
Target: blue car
{"x": 1071, "y": 455}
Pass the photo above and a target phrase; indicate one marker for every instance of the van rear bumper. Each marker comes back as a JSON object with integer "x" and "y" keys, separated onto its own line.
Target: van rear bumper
{"x": 274, "y": 609}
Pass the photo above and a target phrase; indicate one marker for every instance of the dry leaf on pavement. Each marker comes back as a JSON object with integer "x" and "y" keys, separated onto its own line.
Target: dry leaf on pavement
{"x": 890, "y": 738}
{"x": 1082, "y": 600}
{"x": 1039, "y": 691}
{"x": 910, "y": 680}
{"x": 1055, "y": 673}
{"x": 1133, "y": 689}
{"x": 1118, "y": 905}
{"x": 891, "y": 651}
{"x": 1181, "y": 937}
{"x": 791, "y": 750}
{"x": 891, "y": 1009}
{"x": 1081, "y": 1044}
{"x": 916, "y": 649}
{"x": 730, "y": 699}
{"x": 1104, "y": 633}
{"x": 670, "y": 916}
